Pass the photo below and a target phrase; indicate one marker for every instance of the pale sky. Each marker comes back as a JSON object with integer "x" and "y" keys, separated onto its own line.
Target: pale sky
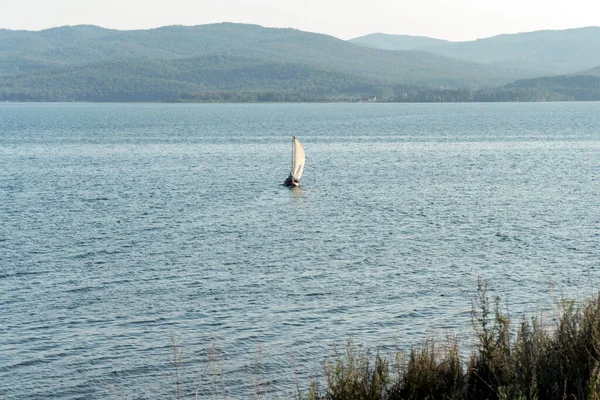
{"x": 345, "y": 19}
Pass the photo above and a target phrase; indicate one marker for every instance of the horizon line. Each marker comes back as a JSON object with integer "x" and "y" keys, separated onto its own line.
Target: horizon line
{"x": 292, "y": 28}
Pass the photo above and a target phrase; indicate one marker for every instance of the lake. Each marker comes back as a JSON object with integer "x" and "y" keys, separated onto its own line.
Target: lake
{"x": 124, "y": 226}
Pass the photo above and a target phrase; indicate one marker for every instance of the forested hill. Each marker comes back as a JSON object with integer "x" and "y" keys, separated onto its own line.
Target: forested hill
{"x": 549, "y": 52}
{"x": 548, "y": 88}
{"x": 31, "y": 61}
{"x": 572, "y": 87}
{"x": 239, "y": 62}
{"x": 207, "y": 78}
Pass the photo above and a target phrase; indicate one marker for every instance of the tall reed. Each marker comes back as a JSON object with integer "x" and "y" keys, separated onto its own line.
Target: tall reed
{"x": 533, "y": 362}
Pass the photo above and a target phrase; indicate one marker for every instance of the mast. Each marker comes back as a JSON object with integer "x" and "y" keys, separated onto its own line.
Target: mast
{"x": 293, "y": 147}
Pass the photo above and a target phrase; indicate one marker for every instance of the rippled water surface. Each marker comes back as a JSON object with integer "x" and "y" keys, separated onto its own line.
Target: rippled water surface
{"x": 122, "y": 225}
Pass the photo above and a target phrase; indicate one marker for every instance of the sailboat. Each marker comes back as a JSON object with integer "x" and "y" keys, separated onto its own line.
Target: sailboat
{"x": 297, "y": 164}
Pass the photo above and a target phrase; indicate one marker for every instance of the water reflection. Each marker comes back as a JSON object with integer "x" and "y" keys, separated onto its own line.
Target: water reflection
{"x": 297, "y": 191}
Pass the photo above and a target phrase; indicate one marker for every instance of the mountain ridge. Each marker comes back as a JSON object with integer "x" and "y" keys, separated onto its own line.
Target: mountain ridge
{"x": 386, "y": 41}
{"x": 544, "y": 51}
{"x": 276, "y": 44}
{"x": 216, "y": 61}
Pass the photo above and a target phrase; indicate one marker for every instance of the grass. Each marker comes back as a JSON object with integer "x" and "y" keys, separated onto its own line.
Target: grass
{"x": 534, "y": 362}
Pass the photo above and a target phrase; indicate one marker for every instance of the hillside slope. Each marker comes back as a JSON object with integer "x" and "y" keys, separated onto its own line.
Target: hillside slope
{"x": 592, "y": 71}
{"x": 70, "y": 46}
{"x": 575, "y": 87}
{"x": 550, "y": 52}
{"x": 199, "y": 78}
{"x": 385, "y": 41}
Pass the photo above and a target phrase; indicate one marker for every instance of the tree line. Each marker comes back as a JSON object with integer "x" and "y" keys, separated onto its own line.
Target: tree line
{"x": 284, "y": 84}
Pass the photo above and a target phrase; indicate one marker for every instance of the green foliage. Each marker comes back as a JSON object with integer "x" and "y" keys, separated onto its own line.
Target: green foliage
{"x": 354, "y": 376}
{"x": 575, "y": 87}
{"x": 83, "y": 45}
{"x": 550, "y": 88}
{"x": 247, "y": 63}
{"x": 214, "y": 78}
{"x": 429, "y": 373}
{"x": 535, "y": 363}
{"x": 502, "y": 94}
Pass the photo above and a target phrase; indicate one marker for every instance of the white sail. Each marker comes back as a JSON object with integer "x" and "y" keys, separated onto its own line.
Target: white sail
{"x": 297, "y": 160}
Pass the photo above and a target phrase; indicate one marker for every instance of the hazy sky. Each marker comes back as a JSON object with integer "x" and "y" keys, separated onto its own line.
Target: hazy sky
{"x": 345, "y": 19}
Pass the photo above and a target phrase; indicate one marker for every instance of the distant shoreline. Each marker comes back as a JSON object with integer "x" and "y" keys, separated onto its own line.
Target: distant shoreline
{"x": 293, "y": 102}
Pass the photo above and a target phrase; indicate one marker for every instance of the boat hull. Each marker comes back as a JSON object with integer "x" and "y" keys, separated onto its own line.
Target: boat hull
{"x": 291, "y": 184}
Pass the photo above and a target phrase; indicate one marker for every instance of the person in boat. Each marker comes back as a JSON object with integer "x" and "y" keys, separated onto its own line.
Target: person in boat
{"x": 290, "y": 181}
